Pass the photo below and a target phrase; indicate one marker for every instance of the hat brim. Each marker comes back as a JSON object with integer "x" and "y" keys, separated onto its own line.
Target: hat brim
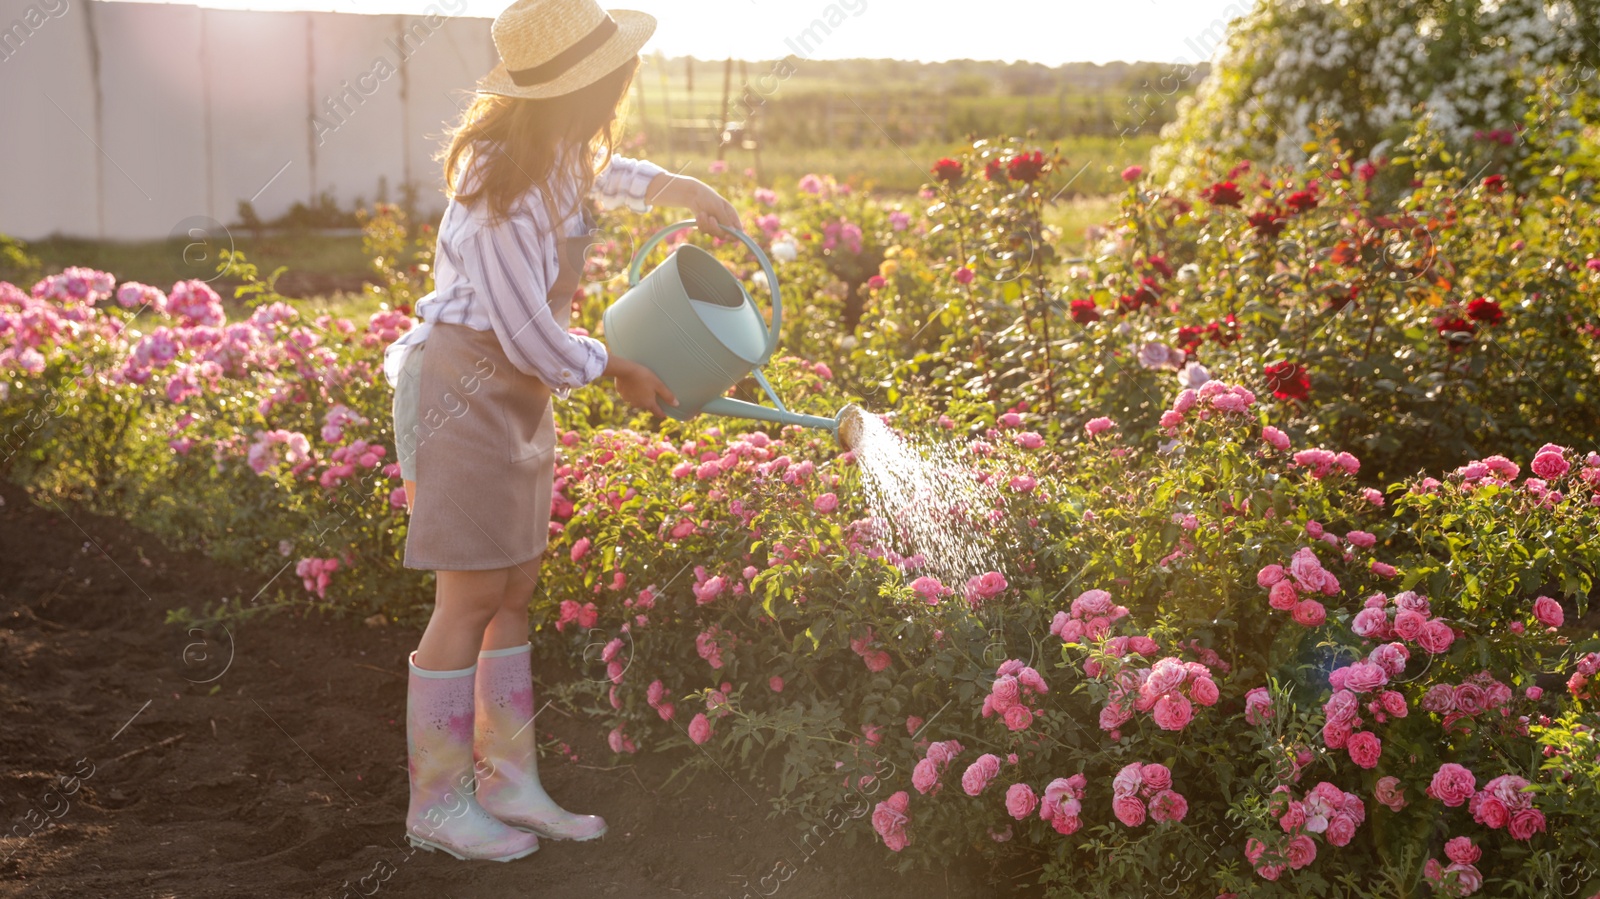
{"x": 633, "y": 29}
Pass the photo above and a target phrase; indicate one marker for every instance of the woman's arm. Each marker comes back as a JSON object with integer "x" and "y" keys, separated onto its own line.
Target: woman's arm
{"x": 640, "y": 184}
{"x": 711, "y": 211}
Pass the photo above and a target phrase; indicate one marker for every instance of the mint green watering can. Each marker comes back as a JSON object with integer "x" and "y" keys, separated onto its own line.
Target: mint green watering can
{"x": 695, "y": 326}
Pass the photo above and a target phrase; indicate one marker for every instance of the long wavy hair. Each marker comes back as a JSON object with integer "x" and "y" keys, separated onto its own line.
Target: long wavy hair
{"x": 515, "y": 143}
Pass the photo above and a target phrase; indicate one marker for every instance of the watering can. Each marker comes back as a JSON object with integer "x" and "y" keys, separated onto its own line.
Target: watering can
{"x": 692, "y": 323}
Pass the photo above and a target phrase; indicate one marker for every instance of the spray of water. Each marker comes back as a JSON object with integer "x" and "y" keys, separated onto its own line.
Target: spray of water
{"x": 926, "y": 502}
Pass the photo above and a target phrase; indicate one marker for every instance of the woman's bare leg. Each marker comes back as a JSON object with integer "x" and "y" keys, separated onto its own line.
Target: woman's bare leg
{"x": 510, "y": 624}
{"x": 411, "y": 495}
{"x": 464, "y": 604}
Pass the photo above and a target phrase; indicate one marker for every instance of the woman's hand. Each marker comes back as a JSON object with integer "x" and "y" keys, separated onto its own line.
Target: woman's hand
{"x": 637, "y": 385}
{"x": 711, "y": 212}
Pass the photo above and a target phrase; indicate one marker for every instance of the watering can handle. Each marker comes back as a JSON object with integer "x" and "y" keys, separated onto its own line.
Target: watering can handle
{"x": 766, "y": 266}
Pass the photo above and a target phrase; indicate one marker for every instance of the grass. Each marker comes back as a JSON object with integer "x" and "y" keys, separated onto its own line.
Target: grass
{"x": 333, "y": 262}
{"x": 162, "y": 262}
{"x": 1095, "y": 163}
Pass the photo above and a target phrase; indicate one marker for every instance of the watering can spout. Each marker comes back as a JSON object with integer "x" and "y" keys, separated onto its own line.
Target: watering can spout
{"x": 845, "y": 427}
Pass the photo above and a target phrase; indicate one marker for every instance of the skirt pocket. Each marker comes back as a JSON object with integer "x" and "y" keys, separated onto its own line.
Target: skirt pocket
{"x": 529, "y": 420}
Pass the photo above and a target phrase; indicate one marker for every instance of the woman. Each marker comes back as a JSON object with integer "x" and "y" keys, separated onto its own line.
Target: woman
{"x": 474, "y": 428}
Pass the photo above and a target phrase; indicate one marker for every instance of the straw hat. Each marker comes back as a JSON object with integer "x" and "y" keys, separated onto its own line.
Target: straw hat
{"x": 552, "y": 47}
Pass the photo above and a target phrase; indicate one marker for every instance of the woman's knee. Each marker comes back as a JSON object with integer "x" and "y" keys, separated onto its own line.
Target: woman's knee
{"x": 520, "y": 583}
{"x": 476, "y": 595}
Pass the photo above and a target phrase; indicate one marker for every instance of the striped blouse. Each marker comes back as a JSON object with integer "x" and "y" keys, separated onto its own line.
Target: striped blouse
{"x": 498, "y": 277}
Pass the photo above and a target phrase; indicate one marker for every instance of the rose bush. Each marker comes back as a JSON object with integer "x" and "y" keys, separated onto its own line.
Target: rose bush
{"x": 1234, "y": 636}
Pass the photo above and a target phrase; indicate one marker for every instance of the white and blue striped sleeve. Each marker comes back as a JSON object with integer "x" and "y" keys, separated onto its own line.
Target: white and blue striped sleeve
{"x": 624, "y": 182}
{"x": 512, "y": 267}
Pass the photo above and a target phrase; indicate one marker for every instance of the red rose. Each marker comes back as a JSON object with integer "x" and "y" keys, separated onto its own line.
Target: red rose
{"x": 1455, "y": 330}
{"x": 1223, "y": 193}
{"x": 1085, "y": 311}
{"x": 1496, "y": 183}
{"x": 1189, "y": 337}
{"x": 1147, "y": 292}
{"x": 1224, "y": 332}
{"x": 948, "y": 170}
{"x": 1268, "y": 223}
{"x": 1485, "y": 310}
{"x": 1302, "y": 200}
{"x": 995, "y": 170}
{"x": 1026, "y": 167}
{"x": 1288, "y": 381}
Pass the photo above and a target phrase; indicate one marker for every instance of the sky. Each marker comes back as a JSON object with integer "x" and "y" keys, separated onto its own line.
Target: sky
{"x": 1047, "y": 31}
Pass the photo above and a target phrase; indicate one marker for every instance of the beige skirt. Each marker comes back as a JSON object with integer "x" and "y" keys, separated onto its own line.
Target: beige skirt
{"x": 483, "y": 436}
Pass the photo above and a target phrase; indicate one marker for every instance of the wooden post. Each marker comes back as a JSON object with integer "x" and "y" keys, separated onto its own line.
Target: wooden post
{"x": 666, "y": 107}
{"x": 641, "y": 118}
{"x": 722, "y": 132}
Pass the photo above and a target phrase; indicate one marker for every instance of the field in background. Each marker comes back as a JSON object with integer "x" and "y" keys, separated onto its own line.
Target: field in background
{"x": 876, "y": 124}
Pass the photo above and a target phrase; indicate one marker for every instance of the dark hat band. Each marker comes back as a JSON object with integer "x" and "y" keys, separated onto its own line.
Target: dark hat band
{"x": 553, "y": 68}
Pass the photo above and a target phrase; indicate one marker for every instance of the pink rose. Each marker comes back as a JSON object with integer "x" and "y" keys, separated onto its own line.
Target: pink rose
{"x": 1436, "y": 637}
{"x": 1461, "y": 851}
{"x": 1408, "y": 625}
{"x": 1018, "y": 717}
{"x": 889, "y": 819}
{"x": 825, "y": 503}
{"x": 1173, "y": 712}
{"x": 1020, "y": 801}
{"x": 925, "y": 776}
{"x": 1440, "y": 699}
{"x": 1550, "y": 464}
{"x": 1258, "y": 706}
{"x": 1548, "y": 612}
{"x": 1168, "y": 806}
{"x": 1389, "y": 792}
{"x": 1301, "y": 851}
{"x": 1371, "y": 623}
{"x": 1129, "y": 810}
{"x": 1467, "y": 879}
{"x": 979, "y": 773}
{"x": 1278, "y": 439}
{"x": 1341, "y": 829}
{"x": 775, "y": 684}
{"x": 1283, "y": 596}
{"x": 1155, "y": 776}
{"x": 1306, "y": 569}
{"x": 1490, "y": 812}
{"x": 699, "y": 728}
{"x": 1452, "y": 784}
{"x": 1309, "y": 613}
{"x": 1128, "y": 780}
{"x": 929, "y": 589}
{"x": 1525, "y": 823}
{"x": 1270, "y": 575}
{"x": 1364, "y": 677}
{"x": 1365, "y": 748}
{"x": 1204, "y": 691}
{"x": 1097, "y": 426}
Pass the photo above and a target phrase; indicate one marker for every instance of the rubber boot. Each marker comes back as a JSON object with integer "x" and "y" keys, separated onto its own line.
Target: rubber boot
{"x": 508, "y": 754}
{"x": 444, "y": 813}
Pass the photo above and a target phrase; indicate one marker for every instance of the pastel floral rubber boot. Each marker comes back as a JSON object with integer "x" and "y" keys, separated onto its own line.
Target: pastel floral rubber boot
{"x": 444, "y": 813}
{"x": 508, "y": 754}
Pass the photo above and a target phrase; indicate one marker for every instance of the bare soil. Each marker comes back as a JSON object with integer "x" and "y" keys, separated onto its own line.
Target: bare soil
{"x": 276, "y": 768}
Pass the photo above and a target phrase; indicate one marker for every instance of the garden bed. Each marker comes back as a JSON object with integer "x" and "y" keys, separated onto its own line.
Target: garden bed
{"x": 284, "y": 776}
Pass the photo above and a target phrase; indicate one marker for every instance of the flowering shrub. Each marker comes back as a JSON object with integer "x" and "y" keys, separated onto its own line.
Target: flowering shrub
{"x": 1373, "y": 67}
{"x": 1223, "y": 643}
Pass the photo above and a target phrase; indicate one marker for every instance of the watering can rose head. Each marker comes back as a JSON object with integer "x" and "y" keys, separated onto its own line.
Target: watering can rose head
{"x": 692, "y": 323}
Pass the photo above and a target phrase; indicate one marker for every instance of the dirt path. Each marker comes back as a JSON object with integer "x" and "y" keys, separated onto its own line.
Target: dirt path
{"x": 279, "y": 770}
